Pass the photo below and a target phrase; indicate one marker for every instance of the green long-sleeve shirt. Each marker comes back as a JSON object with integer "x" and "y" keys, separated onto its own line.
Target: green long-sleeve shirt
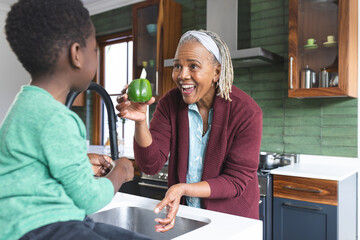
{"x": 45, "y": 174}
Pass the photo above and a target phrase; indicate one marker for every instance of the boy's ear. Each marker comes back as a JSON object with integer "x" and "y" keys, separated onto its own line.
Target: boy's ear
{"x": 75, "y": 55}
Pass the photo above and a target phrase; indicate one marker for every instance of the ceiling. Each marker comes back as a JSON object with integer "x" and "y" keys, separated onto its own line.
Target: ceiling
{"x": 94, "y": 6}
{"x": 9, "y": 2}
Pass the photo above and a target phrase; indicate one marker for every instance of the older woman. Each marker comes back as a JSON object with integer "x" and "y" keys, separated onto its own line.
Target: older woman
{"x": 208, "y": 129}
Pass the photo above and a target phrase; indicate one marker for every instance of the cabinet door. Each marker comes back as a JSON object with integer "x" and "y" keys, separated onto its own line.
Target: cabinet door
{"x": 298, "y": 220}
{"x": 145, "y": 31}
{"x": 156, "y": 33}
{"x": 323, "y": 48}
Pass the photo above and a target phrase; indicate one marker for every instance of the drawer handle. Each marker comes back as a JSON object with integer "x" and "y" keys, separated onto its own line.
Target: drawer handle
{"x": 303, "y": 207}
{"x": 302, "y": 189}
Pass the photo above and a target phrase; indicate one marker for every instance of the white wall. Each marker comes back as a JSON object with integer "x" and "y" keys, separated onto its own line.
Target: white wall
{"x": 12, "y": 74}
{"x": 359, "y": 83}
{"x": 358, "y": 192}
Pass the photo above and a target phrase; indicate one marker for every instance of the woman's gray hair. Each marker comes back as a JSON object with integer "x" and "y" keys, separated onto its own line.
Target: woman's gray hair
{"x": 227, "y": 72}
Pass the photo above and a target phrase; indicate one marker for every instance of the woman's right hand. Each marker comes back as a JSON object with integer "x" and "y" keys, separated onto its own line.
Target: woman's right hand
{"x": 132, "y": 110}
{"x": 171, "y": 202}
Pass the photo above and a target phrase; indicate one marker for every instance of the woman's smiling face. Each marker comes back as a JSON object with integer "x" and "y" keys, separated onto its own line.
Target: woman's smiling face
{"x": 194, "y": 72}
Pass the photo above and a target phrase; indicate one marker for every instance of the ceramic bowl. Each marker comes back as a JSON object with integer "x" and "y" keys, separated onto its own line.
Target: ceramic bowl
{"x": 151, "y": 28}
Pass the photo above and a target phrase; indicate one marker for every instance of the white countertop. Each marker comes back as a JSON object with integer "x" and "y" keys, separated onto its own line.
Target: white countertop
{"x": 222, "y": 226}
{"x": 99, "y": 149}
{"x": 310, "y": 166}
{"x": 321, "y": 167}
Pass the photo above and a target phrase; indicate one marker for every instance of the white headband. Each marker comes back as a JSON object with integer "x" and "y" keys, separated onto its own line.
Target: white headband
{"x": 206, "y": 41}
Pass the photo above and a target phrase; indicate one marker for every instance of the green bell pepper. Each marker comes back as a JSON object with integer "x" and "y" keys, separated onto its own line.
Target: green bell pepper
{"x": 139, "y": 90}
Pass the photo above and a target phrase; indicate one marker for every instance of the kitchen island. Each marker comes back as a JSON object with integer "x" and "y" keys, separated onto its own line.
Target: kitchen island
{"x": 218, "y": 225}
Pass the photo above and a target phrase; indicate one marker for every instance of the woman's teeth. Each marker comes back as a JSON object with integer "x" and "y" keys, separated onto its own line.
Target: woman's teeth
{"x": 188, "y": 88}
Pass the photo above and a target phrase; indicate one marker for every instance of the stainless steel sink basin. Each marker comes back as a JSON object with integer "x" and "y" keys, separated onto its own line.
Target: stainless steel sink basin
{"x": 141, "y": 220}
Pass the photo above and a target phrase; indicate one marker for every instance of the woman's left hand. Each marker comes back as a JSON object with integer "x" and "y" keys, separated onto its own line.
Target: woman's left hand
{"x": 171, "y": 202}
{"x": 101, "y": 164}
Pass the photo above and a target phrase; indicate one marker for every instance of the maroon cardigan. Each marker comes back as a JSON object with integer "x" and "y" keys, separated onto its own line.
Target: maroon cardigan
{"x": 232, "y": 154}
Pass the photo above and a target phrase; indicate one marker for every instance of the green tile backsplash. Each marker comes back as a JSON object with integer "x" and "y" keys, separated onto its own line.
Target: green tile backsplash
{"x": 117, "y": 20}
{"x": 325, "y": 126}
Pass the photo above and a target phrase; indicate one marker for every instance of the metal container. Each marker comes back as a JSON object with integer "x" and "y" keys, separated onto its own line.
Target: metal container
{"x": 307, "y": 77}
{"x": 289, "y": 158}
{"x": 324, "y": 78}
{"x": 333, "y": 70}
{"x": 315, "y": 83}
{"x": 269, "y": 160}
{"x": 334, "y": 81}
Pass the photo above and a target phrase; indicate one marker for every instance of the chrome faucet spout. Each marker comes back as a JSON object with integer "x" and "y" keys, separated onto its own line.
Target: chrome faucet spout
{"x": 110, "y": 110}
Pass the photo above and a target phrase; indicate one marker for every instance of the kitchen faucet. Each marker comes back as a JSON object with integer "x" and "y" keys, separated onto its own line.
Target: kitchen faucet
{"x": 110, "y": 110}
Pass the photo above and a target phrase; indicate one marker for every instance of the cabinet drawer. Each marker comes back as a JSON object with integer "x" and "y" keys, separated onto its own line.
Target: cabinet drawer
{"x": 306, "y": 189}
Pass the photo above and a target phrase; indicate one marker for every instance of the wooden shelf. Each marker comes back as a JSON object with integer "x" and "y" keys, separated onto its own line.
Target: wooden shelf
{"x": 319, "y": 19}
{"x": 317, "y": 92}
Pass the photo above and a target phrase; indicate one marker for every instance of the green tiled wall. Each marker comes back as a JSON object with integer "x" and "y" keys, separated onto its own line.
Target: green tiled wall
{"x": 193, "y": 14}
{"x": 309, "y": 126}
{"x": 321, "y": 126}
{"x": 117, "y": 20}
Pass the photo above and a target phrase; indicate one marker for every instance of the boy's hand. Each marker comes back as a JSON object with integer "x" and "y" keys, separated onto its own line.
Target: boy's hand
{"x": 122, "y": 172}
{"x": 126, "y": 167}
{"x": 101, "y": 164}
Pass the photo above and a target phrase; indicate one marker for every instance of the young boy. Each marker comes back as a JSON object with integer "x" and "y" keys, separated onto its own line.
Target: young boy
{"x": 47, "y": 185}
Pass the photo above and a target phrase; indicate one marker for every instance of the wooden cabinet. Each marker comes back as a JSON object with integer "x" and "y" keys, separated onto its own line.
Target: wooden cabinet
{"x": 157, "y": 29}
{"x": 308, "y": 208}
{"x": 323, "y": 46}
{"x": 80, "y": 100}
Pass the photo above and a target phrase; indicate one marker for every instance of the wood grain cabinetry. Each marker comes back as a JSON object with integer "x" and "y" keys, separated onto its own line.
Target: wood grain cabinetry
{"x": 332, "y": 25}
{"x": 306, "y": 189}
{"x": 156, "y": 32}
{"x": 309, "y": 208}
{"x": 80, "y": 100}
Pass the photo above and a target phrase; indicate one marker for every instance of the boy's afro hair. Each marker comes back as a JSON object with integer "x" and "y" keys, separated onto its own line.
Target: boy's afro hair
{"x": 37, "y": 30}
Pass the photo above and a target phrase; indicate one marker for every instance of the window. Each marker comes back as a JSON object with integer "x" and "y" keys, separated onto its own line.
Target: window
{"x": 115, "y": 71}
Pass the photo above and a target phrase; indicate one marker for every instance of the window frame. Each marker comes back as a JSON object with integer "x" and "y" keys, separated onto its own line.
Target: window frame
{"x": 102, "y": 42}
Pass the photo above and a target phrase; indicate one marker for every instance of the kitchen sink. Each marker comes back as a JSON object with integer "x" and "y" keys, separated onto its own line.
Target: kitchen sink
{"x": 141, "y": 220}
